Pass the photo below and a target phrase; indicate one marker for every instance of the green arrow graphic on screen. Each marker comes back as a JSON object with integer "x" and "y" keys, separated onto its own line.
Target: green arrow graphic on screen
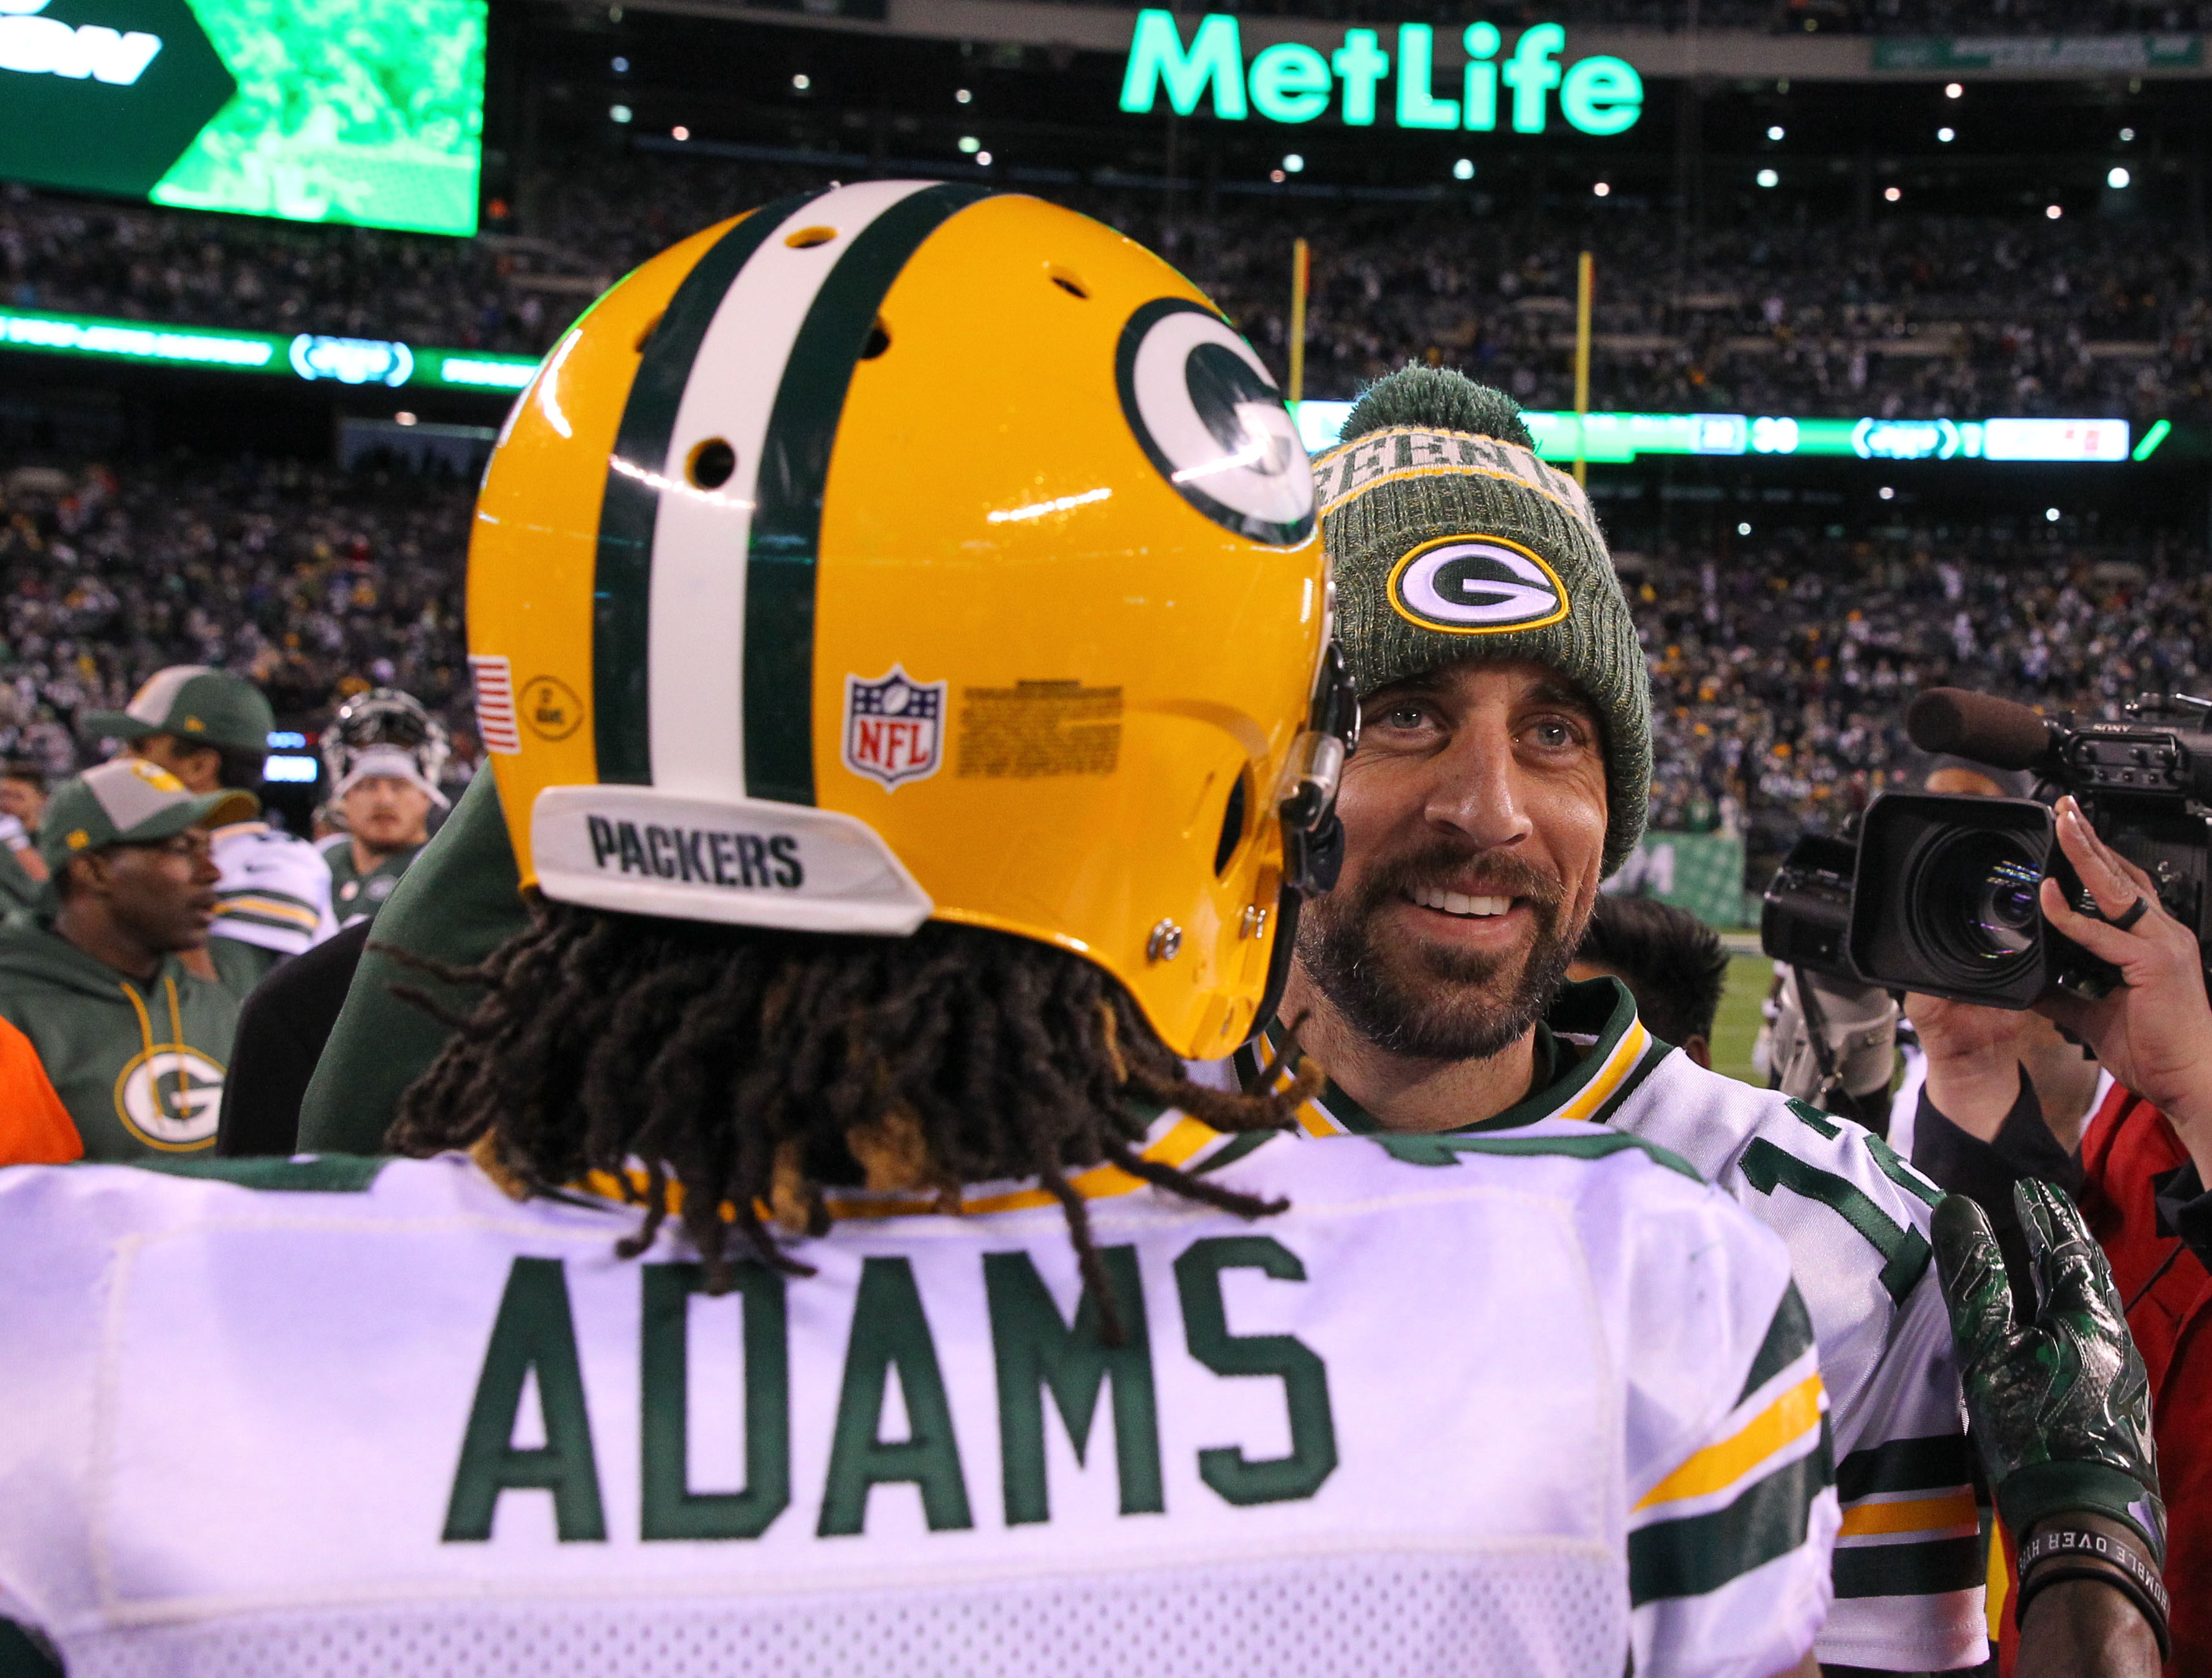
{"x": 368, "y": 111}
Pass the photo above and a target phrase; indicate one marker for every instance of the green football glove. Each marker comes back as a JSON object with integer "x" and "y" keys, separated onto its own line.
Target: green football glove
{"x": 2061, "y": 1409}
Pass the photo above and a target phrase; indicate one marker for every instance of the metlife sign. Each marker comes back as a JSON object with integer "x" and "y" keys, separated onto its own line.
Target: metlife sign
{"x": 1292, "y": 83}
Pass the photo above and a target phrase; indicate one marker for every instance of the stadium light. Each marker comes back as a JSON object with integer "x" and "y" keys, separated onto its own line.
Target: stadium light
{"x": 802, "y": 82}
{"x": 1293, "y": 164}
{"x": 2050, "y": 514}
{"x": 1602, "y": 189}
{"x": 983, "y": 158}
{"x": 619, "y": 113}
{"x": 1464, "y": 169}
{"x": 1743, "y": 530}
{"x": 403, "y": 418}
{"x": 1891, "y": 194}
{"x": 2126, "y": 135}
{"x": 1955, "y": 91}
{"x": 1775, "y": 132}
{"x": 1768, "y": 178}
{"x": 679, "y": 132}
{"x": 622, "y": 67}
{"x": 961, "y": 95}
{"x": 2117, "y": 178}
{"x": 2053, "y": 212}
{"x": 1887, "y": 493}
{"x": 970, "y": 144}
{"x": 1946, "y": 135}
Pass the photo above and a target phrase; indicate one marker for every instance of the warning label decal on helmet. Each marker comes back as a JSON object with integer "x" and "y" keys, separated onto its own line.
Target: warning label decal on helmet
{"x": 1477, "y": 586}
{"x": 894, "y": 727}
{"x": 1211, "y": 419}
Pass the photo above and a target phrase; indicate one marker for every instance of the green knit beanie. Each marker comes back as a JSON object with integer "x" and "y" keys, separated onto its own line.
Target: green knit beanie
{"x": 1451, "y": 541}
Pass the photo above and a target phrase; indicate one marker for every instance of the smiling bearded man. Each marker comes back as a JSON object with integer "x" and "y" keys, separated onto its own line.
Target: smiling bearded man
{"x": 1504, "y": 770}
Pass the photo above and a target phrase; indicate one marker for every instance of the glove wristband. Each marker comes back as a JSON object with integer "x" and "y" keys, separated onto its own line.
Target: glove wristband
{"x": 2057, "y": 1553}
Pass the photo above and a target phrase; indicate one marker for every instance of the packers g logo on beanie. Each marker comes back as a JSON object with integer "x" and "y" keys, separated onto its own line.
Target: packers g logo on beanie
{"x": 1451, "y": 541}
{"x": 1477, "y": 586}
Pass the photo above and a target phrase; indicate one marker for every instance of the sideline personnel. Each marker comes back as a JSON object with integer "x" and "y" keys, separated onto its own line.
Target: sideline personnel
{"x": 132, "y": 1044}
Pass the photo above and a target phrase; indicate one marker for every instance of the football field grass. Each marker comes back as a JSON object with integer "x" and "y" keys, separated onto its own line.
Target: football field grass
{"x": 1737, "y": 1024}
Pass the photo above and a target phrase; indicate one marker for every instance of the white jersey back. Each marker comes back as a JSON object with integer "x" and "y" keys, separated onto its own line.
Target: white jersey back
{"x": 274, "y": 890}
{"x": 1468, "y": 1406}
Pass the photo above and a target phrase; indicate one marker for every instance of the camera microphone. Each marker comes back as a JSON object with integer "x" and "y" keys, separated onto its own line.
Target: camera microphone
{"x": 1991, "y": 731}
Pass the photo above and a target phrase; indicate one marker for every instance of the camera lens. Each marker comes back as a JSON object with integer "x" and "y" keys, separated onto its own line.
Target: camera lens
{"x": 1976, "y": 901}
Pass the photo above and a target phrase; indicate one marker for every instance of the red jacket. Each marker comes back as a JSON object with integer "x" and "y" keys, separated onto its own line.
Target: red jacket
{"x": 2127, "y": 1143}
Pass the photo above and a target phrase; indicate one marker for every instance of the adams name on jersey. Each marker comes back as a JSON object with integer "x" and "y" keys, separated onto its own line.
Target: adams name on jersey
{"x": 431, "y": 1429}
{"x": 1908, "y": 1562}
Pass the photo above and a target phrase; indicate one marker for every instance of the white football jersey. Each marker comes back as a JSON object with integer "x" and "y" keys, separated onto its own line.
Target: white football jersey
{"x": 1472, "y": 1405}
{"x": 275, "y": 890}
{"x": 1909, "y": 1566}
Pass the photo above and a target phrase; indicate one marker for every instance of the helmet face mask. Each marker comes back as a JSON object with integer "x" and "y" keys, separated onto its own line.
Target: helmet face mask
{"x": 386, "y": 717}
{"x": 904, "y": 552}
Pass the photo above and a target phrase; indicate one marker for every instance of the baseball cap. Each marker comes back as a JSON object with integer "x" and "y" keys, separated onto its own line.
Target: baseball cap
{"x": 391, "y": 762}
{"x": 128, "y": 801}
{"x": 193, "y": 701}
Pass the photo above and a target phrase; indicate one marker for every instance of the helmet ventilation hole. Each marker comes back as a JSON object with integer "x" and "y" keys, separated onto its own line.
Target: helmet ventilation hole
{"x": 712, "y": 463}
{"x": 1232, "y": 826}
{"x": 879, "y": 340}
{"x": 806, "y": 237}
{"x": 1069, "y": 284}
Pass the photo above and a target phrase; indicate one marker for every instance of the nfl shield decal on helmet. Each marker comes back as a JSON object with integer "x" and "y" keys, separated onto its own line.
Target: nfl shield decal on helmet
{"x": 894, "y": 727}
{"x": 1211, "y": 419}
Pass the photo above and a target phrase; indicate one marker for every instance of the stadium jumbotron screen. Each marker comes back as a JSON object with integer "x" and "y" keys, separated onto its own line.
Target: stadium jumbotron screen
{"x": 368, "y": 111}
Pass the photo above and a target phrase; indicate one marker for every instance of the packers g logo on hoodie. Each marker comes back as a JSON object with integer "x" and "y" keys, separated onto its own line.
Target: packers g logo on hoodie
{"x": 168, "y": 1097}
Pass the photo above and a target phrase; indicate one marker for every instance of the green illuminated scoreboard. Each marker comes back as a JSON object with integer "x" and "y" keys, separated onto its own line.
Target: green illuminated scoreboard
{"x": 366, "y": 111}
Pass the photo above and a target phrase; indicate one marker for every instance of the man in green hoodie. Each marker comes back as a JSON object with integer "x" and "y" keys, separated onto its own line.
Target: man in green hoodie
{"x": 134, "y": 1045}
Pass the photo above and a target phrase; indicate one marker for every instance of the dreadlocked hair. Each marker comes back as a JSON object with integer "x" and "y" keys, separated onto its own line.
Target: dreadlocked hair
{"x": 747, "y": 1068}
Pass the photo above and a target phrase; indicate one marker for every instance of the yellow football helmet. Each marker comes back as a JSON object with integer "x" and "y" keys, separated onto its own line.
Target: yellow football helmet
{"x": 903, "y": 551}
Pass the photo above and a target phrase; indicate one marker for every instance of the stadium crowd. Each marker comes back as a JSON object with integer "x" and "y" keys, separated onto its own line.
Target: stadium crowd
{"x": 1917, "y": 314}
{"x": 316, "y": 583}
{"x": 1779, "y": 677}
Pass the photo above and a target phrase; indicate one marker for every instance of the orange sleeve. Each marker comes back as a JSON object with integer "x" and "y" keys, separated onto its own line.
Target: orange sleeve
{"x": 35, "y": 1128}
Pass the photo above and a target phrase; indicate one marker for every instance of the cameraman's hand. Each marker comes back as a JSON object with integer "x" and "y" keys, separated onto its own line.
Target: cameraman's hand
{"x": 1973, "y": 1060}
{"x": 2154, "y": 1033}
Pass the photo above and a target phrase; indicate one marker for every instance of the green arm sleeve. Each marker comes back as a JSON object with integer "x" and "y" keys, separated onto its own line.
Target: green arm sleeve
{"x": 458, "y": 902}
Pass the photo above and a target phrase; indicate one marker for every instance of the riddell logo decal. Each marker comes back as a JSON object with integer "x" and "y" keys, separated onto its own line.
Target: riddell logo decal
{"x": 34, "y": 46}
{"x": 894, "y": 727}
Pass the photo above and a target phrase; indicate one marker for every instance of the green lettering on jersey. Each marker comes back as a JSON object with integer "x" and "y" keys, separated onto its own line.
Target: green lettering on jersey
{"x": 1304, "y": 1376}
{"x": 1904, "y": 1249}
{"x": 890, "y": 1331}
{"x": 1037, "y": 1350}
{"x": 534, "y": 1330}
{"x": 668, "y": 1507}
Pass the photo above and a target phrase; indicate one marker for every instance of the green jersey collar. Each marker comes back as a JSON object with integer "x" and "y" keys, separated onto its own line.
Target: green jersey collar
{"x": 1591, "y": 1051}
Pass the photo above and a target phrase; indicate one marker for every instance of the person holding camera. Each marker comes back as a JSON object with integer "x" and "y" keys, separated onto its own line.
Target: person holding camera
{"x": 2140, "y": 1173}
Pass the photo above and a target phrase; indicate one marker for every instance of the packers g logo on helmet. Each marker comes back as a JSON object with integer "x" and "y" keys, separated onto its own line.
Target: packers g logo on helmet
{"x": 912, "y": 551}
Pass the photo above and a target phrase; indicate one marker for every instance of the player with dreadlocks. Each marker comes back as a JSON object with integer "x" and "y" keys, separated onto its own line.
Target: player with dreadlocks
{"x": 750, "y": 1068}
{"x": 902, "y": 641}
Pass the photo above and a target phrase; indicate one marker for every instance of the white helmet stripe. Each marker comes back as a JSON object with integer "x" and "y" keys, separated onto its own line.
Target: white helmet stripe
{"x": 702, "y": 536}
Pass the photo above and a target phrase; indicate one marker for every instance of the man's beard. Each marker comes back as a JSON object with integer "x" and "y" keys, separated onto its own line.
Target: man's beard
{"x": 1426, "y": 1002}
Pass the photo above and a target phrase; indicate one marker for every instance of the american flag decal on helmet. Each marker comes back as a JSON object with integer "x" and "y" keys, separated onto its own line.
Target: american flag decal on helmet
{"x": 494, "y": 684}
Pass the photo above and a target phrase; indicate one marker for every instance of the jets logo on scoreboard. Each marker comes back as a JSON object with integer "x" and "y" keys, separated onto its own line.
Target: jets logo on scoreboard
{"x": 894, "y": 727}
{"x": 1477, "y": 584}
